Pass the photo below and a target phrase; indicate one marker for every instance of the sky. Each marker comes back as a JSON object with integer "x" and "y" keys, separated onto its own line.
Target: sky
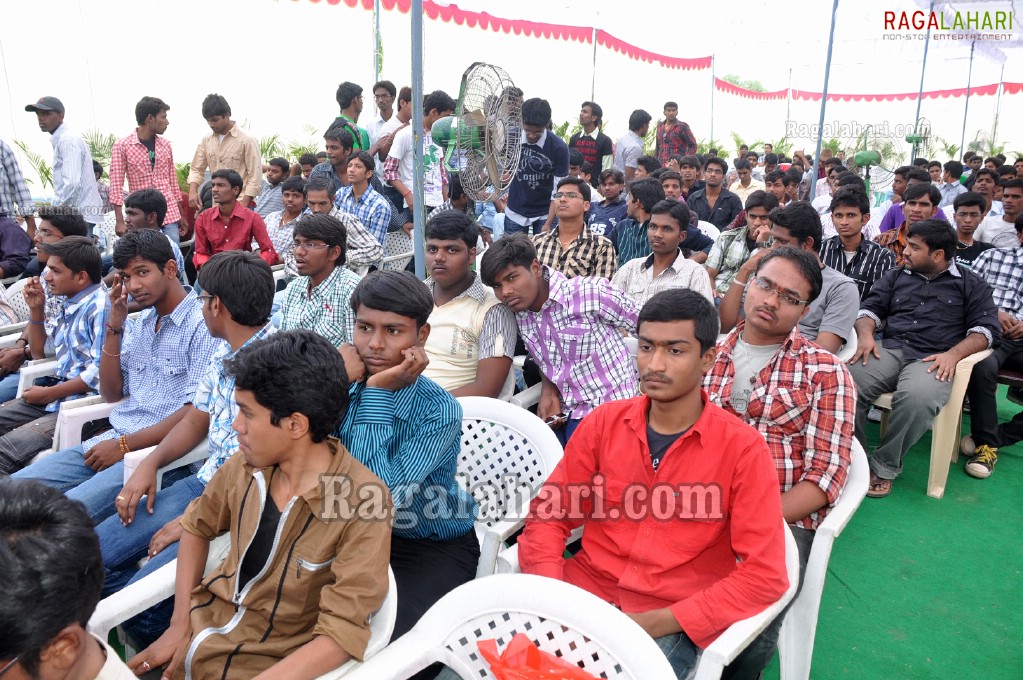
{"x": 280, "y": 67}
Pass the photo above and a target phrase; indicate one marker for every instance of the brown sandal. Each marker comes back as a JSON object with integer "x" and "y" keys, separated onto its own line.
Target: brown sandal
{"x": 879, "y": 488}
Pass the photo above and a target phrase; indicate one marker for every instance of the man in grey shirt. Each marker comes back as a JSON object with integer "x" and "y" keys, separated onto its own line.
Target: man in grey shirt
{"x": 630, "y": 147}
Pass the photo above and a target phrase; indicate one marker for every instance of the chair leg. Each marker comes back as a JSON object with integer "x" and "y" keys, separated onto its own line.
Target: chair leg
{"x": 885, "y": 414}
{"x": 944, "y": 429}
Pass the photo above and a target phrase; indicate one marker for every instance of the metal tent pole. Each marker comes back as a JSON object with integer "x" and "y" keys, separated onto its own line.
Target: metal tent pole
{"x": 920, "y": 93}
{"x": 998, "y": 104}
{"x": 376, "y": 41}
{"x": 966, "y": 107}
{"x": 824, "y": 99}
{"x": 593, "y": 72}
{"x": 713, "y": 86}
{"x": 418, "y": 218}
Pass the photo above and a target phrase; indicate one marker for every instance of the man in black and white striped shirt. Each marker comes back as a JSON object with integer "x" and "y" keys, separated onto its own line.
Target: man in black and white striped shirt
{"x": 861, "y": 259}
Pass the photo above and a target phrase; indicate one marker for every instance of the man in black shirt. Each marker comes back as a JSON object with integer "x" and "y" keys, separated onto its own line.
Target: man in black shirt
{"x": 593, "y": 144}
{"x": 933, "y": 314}
{"x": 714, "y": 203}
{"x": 969, "y": 210}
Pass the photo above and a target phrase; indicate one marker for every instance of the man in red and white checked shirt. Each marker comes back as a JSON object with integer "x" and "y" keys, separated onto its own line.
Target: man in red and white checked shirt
{"x": 145, "y": 159}
{"x": 800, "y": 397}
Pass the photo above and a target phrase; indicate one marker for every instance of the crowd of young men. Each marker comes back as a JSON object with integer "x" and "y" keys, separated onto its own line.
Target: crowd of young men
{"x": 676, "y": 313}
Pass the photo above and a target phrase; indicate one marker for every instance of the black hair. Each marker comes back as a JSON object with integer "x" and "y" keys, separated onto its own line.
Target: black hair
{"x": 536, "y": 111}
{"x": 647, "y": 191}
{"x": 919, "y": 174}
{"x": 339, "y": 133}
{"x": 149, "y": 244}
{"x": 1006, "y": 170}
{"x": 770, "y": 159}
{"x": 752, "y": 154}
{"x": 326, "y": 228}
{"x": 575, "y": 158}
{"x": 619, "y": 178}
{"x": 682, "y": 304}
{"x": 936, "y": 164}
{"x": 742, "y": 164}
{"x": 97, "y": 167}
{"x": 718, "y": 161}
{"x": 761, "y": 199}
{"x": 967, "y": 156}
{"x": 149, "y": 106}
{"x": 969, "y": 199}
{"x": 657, "y": 173}
{"x": 582, "y": 185}
{"x": 215, "y": 105}
{"x": 1012, "y": 184}
{"x": 774, "y": 176}
{"x": 678, "y": 210}
{"x": 837, "y": 168}
{"x": 149, "y": 201}
{"x": 308, "y": 159}
{"x": 292, "y": 372}
{"x": 296, "y": 184}
{"x": 516, "y": 250}
{"x": 936, "y": 235}
{"x": 64, "y": 218}
{"x": 232, "y": 177}
{"x": 319, "y": 184}
{"x": 387, "y": 85}
{"x": 453, "y": 225}
{"x": 920, "y": 163}
{"x": 52, "y": 566}
{"x": 917, "y": 191}
{"x": 806, "y": 262}
{"x": 638, "y": 119}
{"x": 671, "y": 174}
{"x": 851, "y": 179}
{"x": 648, "y": 163}
{"x": 850, "y": 197}
{"x": 801, "y": 221}
{"x": 1019, "y": 224}
{"x": 834, "y": 160}
{"x": 455, "y": 189}
{"x": 954, "y": 168}
{"x": 321, "y": 156}
{"x": 1001, "y": 158}
{"x": 586, "y": 168}
{"x": 792, "y": 176}
{"x": 346, "y": 93}
{"x": 439, "y": 100}
{"x": 988, "y": 172}
{"x": 243, "y": 282}
{"x": 405, "y": 94}
{"x": 689, "y": 162}
{"x": 281, "y": 163}
{"x": 597, "y": 112}
{"x": 398, "y": 293}
{"x": 79, "y": 254}
{"x": 902, "y": 171}
{"x": 992, "y": 159}
{"x": 364, "y": 158}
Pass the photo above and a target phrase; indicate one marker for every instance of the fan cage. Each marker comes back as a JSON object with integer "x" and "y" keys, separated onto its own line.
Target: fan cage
{"x": 488, "y": 153}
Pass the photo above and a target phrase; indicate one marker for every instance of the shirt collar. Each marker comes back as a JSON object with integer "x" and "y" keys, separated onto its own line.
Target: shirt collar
{"x": 793, "y": 343}
{"x": 953, "y": 271}
{"x": 584, "y": 235}
{"x": 540, "y": 142}
{"x": 649, "y": 261}
{"x": 73, "y": 303}
{"x": 181, "y": 312}
{"x": 475, "y": 290}
{"x": 637, "y": 418}
{"x": 327, "y": 283}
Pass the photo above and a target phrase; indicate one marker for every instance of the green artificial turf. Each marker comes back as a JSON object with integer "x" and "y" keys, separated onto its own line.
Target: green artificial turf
{"x": 920, "y": 587}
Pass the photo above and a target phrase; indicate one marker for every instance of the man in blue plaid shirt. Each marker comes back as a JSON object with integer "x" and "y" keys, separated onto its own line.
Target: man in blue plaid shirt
{"x": 359, "y": 198}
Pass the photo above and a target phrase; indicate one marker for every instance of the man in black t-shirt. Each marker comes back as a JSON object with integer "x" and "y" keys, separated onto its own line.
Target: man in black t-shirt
{"x": 969, "y": 212}
{"x": 594, "y": 145}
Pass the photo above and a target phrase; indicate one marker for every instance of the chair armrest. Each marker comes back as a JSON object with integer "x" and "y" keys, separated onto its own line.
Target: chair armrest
{"x": 527, "y": 397}
{"x": 967, "y": 363}
{"x": 132, "y": 600}
{"x": 9, "y": 335}
{"x": 199, "y": 453}
{"x": 31, "y": 370}
{"x": 132, "y": 459}
{"x": 71, "y": 420}
{"x": 493, "y": 542}
{"x": 737, "y": 637}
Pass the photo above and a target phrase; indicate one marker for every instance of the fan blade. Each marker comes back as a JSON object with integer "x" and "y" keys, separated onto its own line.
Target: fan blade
{"x": 475, "y": 118}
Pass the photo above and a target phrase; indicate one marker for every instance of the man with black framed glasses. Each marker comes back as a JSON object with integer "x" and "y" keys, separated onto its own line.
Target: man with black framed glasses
{"x": 319, "y": 298}
{"x": 571, "y": 248}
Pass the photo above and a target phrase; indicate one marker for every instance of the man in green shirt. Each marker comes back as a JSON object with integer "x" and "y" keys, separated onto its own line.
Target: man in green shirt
{"x": 349, "y": 98}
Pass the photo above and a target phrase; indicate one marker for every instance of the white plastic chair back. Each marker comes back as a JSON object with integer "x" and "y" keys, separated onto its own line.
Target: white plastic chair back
{"x": 108, "y": 228}
{"x": 846, "y": 351}
{"x": 795, "y": 643}
{"x": 398, "y": 250}
{"x": 709, "y": 229}
{"x": 17, "y": 301}
{"x": 559, "y": 618}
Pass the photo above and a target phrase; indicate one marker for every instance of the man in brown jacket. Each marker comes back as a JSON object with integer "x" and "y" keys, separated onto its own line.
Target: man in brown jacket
{"x": 310, "y": 531}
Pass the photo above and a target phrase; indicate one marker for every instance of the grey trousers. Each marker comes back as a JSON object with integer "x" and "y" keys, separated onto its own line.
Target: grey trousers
{"x": 918, "y": 396}
{"x": 27, "y": 429}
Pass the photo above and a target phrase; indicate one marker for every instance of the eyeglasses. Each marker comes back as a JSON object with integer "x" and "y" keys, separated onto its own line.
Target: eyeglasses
{"x": 45, "y": 233}
{"x": 567, "y": 194}
{"x": 970, "y": 215}
{"x": 308, "y": 245}
{"x": 765, "y": 285}
{"x": 10, "y": 665}
{"x": 204, "y": 297}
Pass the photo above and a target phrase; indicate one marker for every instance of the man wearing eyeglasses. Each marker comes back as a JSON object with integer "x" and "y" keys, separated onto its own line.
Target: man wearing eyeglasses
{"x": 734, "y": 246}
{"x": 800, "y": 397}
{"x": 570, "y": 247}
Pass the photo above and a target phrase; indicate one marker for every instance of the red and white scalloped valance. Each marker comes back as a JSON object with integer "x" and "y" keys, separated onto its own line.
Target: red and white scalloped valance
{"x": 979, "y": 90}
{"x": 725, "y": 86}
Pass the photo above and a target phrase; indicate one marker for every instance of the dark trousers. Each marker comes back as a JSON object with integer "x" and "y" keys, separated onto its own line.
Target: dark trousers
{"x": 426, "y": 571}
{"x": 983, "y": 405}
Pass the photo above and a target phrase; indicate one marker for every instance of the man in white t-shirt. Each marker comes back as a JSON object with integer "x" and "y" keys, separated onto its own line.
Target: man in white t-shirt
{"x": 398, "y": 168}
{"x": 1000, "y": 230}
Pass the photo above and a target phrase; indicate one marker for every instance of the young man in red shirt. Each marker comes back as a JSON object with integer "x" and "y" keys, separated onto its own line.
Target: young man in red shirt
{"x": 671, "y": 490}
{"x": 229, "y": 225}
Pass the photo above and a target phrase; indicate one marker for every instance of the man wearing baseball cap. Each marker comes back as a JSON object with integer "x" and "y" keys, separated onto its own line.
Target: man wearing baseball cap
{"x": 74, "y": 183}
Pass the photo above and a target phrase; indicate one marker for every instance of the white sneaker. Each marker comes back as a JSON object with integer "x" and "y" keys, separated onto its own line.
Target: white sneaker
{"x": 967, "y": 446}
{"x": 874, "y": 414}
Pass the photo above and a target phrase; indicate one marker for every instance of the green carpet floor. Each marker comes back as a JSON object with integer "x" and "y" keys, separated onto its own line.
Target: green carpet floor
{"x": 919, "y": 587}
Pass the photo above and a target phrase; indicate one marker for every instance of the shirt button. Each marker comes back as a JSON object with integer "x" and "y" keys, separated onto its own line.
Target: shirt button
{"x": 635, "y": 568}
{"x": 646, "y": 534}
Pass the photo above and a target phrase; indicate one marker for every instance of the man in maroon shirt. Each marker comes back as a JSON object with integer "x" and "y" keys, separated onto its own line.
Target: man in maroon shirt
{"x": 671, "y": 490}
{"x": 229, "y": 225}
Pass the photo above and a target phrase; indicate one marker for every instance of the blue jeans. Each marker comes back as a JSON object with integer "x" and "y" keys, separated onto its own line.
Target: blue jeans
{"x": 171, "y": 230}
{"x": 9, "y": 386}
{"x": 535, "y": 226}
{"x": 680, "y": 652}
{"x": 566, "y": 431}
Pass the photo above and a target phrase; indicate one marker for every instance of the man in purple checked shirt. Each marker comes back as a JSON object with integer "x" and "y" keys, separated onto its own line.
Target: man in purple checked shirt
{"x": 573, "y": 328}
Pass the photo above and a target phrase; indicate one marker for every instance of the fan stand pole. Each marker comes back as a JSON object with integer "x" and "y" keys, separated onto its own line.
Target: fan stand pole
{"x": 966, "y": 107}
{"x": 418, "y": 218}
{"x": 920, "y": 94}
{"x": 824, "y": 100}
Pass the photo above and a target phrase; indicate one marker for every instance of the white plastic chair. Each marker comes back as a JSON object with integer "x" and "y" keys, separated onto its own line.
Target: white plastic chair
{"x": 846, "y": 351}
{"x": 559, "y": 618}
{"x": 31, "y": 370}
{"x": 73, "y": 416}
{"x": 398, "y": 250}
{"x": 506, "y": 456}
{"x": 947, "y": 425}
{"x": 737, "y": 637}
{"x": 133, "y": 458}
{"x": 709, "y": 229}
{"x": 795, "y": 643}
{"x": 158, "y": 586}
{"x": 17, "y": 301}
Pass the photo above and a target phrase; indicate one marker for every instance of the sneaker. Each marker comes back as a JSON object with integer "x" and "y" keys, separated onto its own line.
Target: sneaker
{"x": 983, "y": 462}
{"x": 1015, "y": 395}
{"x": 967, "y": 446}
{"x": 874, "y": 414}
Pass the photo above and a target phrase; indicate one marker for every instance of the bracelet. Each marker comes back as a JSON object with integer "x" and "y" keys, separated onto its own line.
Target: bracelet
{"x": 111, "y": 355}
{"x": 26, "y": 352}
{"x": 24, "y": 340}
{"x": 114, "y": 331}
{"x": 123, "y": 443}
{"x": 36, "y": 323}
{"x": 741, "y": 283}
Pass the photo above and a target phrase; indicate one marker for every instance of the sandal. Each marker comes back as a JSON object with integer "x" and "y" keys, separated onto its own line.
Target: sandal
{"x": 879, "y": 488}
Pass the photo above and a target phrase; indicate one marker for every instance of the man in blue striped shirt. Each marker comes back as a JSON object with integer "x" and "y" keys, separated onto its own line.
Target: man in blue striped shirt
{"x": 72, "y": 271}
{"x": 407, "y": 430}
{"x": 151, "y": 366}
{"x": 359, "y": 198}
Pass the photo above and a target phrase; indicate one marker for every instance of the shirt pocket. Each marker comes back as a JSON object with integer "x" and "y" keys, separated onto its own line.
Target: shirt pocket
{"x": 173, "y": 378}
{"x": 309, "y": 572}
{"x": 787, "y": 410}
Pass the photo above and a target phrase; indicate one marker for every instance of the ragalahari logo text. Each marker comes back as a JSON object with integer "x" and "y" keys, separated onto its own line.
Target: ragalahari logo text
{"x": 949, "y": 25}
